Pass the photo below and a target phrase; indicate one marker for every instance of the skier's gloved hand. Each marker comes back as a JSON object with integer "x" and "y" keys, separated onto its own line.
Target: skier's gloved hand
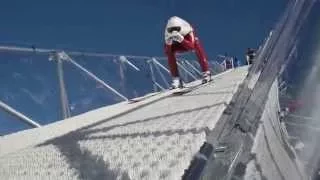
{"x": 176, "y": 36}
{"x": 168, "y": 41}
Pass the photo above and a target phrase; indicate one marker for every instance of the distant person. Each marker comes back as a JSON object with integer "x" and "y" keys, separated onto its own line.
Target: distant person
{"x": 250, "y": 55}
{"x": 180, "y": 37}
{"x": 236, "y": 62}
{"x": 229, "y": 63}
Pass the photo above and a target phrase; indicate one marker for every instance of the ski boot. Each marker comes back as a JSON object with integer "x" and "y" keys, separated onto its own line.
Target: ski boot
{"x": 206, "y": 77}
{"x": 176, "y": 83}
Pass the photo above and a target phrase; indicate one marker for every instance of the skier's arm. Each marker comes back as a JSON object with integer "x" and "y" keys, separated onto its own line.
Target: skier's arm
{"x": 189, "y": 41}
{"x": 186, "y": 41}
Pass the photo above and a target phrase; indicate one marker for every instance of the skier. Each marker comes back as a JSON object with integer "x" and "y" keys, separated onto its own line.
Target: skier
{"x": 180, "y": 37}
{"x": 250, "y": 54}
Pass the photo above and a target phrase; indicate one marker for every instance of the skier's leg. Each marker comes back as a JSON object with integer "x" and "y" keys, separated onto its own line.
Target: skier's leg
{"x": 201, "y": 56}
{"x": 172, "y": 61}
{"x": 191, "y": 42}
{"x": 202, "y": 61}
{"x": 173, "y": 67}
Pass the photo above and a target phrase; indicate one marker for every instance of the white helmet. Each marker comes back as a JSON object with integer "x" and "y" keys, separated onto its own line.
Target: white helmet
{"x": 178, "y": 24}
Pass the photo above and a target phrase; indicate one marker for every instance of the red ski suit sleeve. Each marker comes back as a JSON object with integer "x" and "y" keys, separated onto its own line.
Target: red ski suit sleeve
{"x": 190, "y": 43}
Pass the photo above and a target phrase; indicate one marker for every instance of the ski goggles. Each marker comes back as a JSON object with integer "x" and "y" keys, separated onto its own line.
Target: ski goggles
{"x": 174, "y": 28}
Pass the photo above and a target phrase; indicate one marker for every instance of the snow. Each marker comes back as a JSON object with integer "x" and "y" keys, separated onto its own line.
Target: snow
{"x": 254, "y": 80}
{"x": 155, "y": 138}
{"x": 252, "y": 173}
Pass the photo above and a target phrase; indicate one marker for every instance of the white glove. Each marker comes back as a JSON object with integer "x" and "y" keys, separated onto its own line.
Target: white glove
{"x": 168, "y": 40}
{"x": 176, "y": 36}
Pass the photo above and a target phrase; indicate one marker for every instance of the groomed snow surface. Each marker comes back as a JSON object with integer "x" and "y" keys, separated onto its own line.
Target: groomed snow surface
{"x": 154, "y": 141}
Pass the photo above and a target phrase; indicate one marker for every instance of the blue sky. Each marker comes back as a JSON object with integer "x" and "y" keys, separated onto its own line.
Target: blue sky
{"x": 136, "y": 27}
{"x": 127, "y": 27}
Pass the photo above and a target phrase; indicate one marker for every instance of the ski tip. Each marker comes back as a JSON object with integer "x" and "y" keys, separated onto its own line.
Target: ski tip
{"x": 181, "y": 91}
{"x": 131, "y": 101}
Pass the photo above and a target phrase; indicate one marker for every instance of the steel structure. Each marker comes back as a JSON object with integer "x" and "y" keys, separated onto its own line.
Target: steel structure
{"x": 61, "y": 57}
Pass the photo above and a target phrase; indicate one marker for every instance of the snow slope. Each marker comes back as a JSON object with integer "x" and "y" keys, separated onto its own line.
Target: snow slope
{"x": 152, "y": 139}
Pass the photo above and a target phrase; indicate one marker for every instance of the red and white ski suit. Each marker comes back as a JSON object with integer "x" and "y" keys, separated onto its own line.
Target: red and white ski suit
{"x": 190, "y": 42}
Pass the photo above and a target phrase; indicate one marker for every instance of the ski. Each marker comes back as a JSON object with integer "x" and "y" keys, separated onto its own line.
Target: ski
{"x": 187, "y": 89}
{"x": 181, "y": 91}
{"x": 138, "y": 99}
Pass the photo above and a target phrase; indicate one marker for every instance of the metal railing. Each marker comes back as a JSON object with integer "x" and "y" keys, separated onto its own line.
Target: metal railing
{"x": 159, "y": 74}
